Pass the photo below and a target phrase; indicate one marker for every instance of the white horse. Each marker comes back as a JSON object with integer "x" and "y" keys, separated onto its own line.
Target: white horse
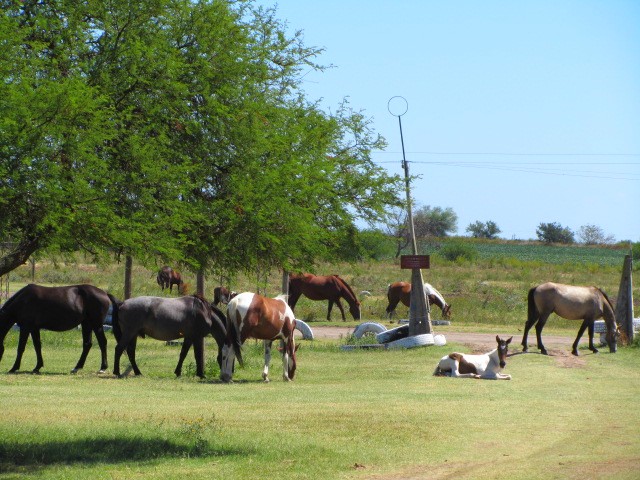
{"x": 486, "y": 366}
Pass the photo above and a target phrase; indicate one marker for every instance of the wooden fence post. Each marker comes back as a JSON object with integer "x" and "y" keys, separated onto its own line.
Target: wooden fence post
{"x": 624, "y": 304}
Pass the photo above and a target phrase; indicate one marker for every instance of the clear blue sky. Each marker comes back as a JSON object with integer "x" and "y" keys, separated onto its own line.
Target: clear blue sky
{"x": 518, "y": 112}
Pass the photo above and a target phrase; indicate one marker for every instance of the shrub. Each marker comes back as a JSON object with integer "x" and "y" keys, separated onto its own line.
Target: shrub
{"x": 458, "y": 251}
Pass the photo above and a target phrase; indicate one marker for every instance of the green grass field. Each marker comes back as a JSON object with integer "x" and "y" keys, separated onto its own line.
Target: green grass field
{"x": 356, "y": 414}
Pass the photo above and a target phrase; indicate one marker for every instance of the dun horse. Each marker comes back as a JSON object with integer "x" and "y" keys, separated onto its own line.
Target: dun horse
{"x": 330, "y": 287}
{"x": 401, "y": 292}
{"x": 250, "y": 315}
{"x": 191, "y": 318}
{"x": 486, "y": 366}
{"x": 572, "y": 303}
{"x": 35, "y": 307}
{"x": 168, "y": 277}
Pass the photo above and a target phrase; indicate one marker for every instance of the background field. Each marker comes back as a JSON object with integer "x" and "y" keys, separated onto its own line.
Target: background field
{"x": 359, "y": 414}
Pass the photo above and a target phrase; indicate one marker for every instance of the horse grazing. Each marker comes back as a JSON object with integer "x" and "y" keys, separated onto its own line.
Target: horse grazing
{"x": 250, "y": 315}
{"x": 573, "y": 303}
{"x": 401, "y": 292}
{"x": 329, "y": 287}
{"x": 35, "y": 307}
{"x": 168, "y": 277}
{"x": 191, "y": 318}
{"x": 222, "y": 295}
{"x": 486, "y": 366}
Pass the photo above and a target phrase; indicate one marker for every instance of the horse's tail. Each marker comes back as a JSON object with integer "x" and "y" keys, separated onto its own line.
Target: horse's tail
{"x": 115, "y": 319}
{"x": 532, "y": 310}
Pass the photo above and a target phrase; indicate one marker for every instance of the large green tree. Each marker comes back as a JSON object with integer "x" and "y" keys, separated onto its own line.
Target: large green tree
{"x": 174, "y": 128}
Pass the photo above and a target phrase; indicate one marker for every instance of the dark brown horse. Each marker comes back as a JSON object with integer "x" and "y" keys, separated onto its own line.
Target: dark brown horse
{"x": 222, "y": 295}
{"x": 329, "y": 287}
{"x": 573, "y": 303}
{"x": 401, "y": 292}
{"x": 168, "y": 277}
{"x": 35, "y": 307}
{"x": 253, "y": 316}
{"x": 191, "y": 318}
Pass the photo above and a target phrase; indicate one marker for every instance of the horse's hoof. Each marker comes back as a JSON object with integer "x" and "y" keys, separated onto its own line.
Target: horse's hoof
{"x": 13, "y": 370}
{"x": 102, "y": 370}
{"x": 575, "y": 352}
{"x": 266, "y": 380}
{"x": 74, "y": 371}
{"x": 35, "y": 372}
{"x": 595, "y": 350}
{"x": 544, "y": 352}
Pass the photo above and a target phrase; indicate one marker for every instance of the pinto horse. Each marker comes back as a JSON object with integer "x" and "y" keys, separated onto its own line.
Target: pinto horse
{"x": 329, "y": 287}
{"x": 250, "y": 315}
{"x": 573, "y": 303}
{"x": 486, "y": 366}
{"x": 168, "y": 277}
{"x": 35, "y": 307}
{"x": 191, "y": 318}
{"x": 401, "y": 292}
{"x": 222, "y": 295}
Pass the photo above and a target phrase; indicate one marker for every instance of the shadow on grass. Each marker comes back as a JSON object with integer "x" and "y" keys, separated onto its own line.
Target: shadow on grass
{"x": 33, "y": 455}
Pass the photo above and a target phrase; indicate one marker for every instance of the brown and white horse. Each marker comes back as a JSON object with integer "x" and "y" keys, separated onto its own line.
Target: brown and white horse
{"x": 486, "y": 366}
{"x": 401, "y": 292}
{"x": 168, "y": 277}
{"x": 250, "y": 315}
{"x": 323, "y": 287}
{"x": 573, "y": 303}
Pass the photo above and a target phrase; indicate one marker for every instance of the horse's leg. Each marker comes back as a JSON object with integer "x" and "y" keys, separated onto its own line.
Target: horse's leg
{"x": 102, "y": 343}
{"x": 86, "y": 346}
{"x": 131, "y": 352}
{"x": 391, "y": 307}
{"x": 285, "y": 361}
{"x": 339, "y": 304}
{"x": 186, "y": 345}
{"x": 37, "y": 345}
{"x": 267, "y": 360}
{"x": 198, "y": 351}
{"x": 329, "y": 310}
{"x": 539, "y": 327}
{"x": 293, "y": 299}
{"x": 527, "y": 326}
{"x": 124, "y": 344}
{"x": 591, "y": 332}
{"x": 583, "y": 327}
{"x": 22, "y": 343}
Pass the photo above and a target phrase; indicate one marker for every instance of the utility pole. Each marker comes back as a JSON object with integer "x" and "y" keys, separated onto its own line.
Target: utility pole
{"x": 419, "y": 320}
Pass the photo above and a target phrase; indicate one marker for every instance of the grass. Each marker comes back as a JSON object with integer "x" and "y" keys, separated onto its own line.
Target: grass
{"x": 357, "y": 414}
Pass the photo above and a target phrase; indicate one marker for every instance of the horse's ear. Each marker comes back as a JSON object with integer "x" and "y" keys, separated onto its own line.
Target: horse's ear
{"x": 509, "y": 341}
{"x": 498, "y": 338}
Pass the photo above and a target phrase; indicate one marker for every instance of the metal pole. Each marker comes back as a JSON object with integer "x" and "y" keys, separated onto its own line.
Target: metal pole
{"x": 407, "y": 181}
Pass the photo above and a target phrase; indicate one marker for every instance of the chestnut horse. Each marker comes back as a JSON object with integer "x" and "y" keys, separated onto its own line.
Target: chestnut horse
{"x": 168, "y": 277}
{"x": 572, "y": 303}
{"x": 401, "y": 292}
{"x": 190, "y": 318}
{"x": 329, "y": 287}
{"x": 250, "y": 315}
{"x": 58, "y": 309}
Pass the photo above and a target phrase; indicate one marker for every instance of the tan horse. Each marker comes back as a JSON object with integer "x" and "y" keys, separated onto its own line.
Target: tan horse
{"x": 572, "y": 303}
{"x": 401, "y": 292}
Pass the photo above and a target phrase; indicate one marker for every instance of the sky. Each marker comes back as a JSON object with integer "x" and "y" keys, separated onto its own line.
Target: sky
{"x": 519, "y": 113}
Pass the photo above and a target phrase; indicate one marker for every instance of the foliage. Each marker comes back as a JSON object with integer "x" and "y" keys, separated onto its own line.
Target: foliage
{"x": 457, "y": 251}
{"x": 554, "y": 233}
{"x": 176, "y": 130}
{"x": 594, "y": 235}
{"x": 434, "y": 221}
{"x": 635, "y": 251}
{"x": 480, "y": 229}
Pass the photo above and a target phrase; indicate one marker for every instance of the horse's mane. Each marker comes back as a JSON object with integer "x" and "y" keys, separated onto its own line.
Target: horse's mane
{"x": 347, "y": 286}
{"x": 207, "y": 305}
{"x": 606, "y": 298}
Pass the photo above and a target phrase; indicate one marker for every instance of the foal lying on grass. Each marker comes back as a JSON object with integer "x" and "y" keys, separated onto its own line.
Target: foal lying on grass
{"x": 486, "y": 366}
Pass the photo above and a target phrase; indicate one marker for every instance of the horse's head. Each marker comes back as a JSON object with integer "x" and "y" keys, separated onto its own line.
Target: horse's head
{"x": 503, "y": 350}
{"x": 446, "y": 311}
{"x": 612, "y": 338}
{"x": 354, "y": 308}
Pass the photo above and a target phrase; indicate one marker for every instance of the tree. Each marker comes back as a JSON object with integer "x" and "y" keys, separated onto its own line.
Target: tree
{"x": 480, "y": 229}
{"x": 554, "y": 233}
{"x": 594, "y": 235}
{"x": 174, "y": 129}
{"x": 434, "y": 222}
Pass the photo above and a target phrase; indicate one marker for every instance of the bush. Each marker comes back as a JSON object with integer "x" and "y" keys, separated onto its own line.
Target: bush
{"x": 458, "y": 251}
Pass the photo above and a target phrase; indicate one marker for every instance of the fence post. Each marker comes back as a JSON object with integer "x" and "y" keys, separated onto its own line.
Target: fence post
{"x": 624, "y": 304}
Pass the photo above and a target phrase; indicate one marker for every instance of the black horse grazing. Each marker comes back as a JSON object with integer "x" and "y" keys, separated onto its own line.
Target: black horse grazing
{"x": 168, "y": 277}
{"x": 58, "y": 309}
{"x": 191, "y": 318}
